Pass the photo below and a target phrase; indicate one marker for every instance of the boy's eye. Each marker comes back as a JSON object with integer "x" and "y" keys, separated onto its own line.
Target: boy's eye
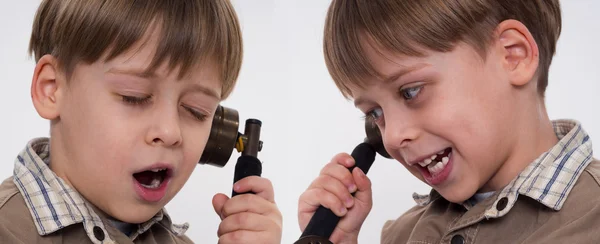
{"x": 136, "y": 100}
{"x": 198, "y": 115}
{"x": 411, "y": 92}
{"x": 374, "y": 115}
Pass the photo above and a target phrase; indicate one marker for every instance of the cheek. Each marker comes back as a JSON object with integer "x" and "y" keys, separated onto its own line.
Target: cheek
{"x": 195, "y": 138}
{"x": 100, "y": 132}
{"x": 465, "y": 117}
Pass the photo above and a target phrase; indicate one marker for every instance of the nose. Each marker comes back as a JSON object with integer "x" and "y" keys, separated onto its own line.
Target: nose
{"x": 165, "y": 128}
{"x": 399, "y": 131}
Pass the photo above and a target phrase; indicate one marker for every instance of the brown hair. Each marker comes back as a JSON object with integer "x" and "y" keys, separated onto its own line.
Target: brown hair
{"x": 192, "y": 30}
{"x": 406, "y": 27}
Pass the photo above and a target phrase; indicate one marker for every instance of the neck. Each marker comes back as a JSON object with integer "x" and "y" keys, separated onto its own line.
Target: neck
{"x": 57, "y": 159}
{"x": 534, "y": 135}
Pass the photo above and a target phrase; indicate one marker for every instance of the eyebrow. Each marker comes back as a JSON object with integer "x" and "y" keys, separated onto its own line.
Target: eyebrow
{"x": 133, "y": 72}
{"x": 203, "y": 89}
{"x": 395, "y": 76}
{"x": 150, "y": 75}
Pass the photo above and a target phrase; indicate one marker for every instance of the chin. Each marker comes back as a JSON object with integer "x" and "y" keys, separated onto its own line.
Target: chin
{"x": 136, "y": 215}
{"x": 456, "y": 194}
{"x": 455, "y": 198}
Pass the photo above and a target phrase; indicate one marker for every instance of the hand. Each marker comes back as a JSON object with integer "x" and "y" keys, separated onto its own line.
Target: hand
{"x": 333, "y": 189}
{"x": 249, "y": 218}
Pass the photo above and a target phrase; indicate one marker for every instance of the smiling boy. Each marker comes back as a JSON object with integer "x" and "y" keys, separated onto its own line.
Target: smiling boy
{"x": 456, "y": 89}
{"x": 130, "y": 89}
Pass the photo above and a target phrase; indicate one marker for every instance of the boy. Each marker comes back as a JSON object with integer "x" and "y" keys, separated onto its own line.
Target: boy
{"x": 456, "y": 89}
{"x": 130, "y": 88}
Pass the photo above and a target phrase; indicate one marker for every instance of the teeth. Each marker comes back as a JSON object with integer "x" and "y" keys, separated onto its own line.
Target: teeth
{"x": 157, "y": 170}
{"x": 425, "y": 162}
{"x": 155, "y": 184}
{"x": 435, "y": 168}
{"x": 438, "y": 167}
{"x": 445, "y": 160}
{"x": 428, "y": 162}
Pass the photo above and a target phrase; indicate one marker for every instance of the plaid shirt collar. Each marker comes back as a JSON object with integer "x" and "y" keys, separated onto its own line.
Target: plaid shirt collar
{"x": 549, "y": 179}
{"x": 55, "y": 205}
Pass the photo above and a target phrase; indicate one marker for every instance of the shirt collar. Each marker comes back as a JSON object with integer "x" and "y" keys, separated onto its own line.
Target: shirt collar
{"x": 55, "y": 205}
{"x": 548, "y": 179}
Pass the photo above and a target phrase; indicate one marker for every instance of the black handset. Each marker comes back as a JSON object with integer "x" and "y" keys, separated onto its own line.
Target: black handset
{"x": 248, "y": 164}
{"x": 224, "y": 138}
{"x": 323, "y": 222}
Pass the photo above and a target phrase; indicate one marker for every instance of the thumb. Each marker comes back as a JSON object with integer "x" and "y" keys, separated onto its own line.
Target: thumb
{"x": 364, "y": 193}
{"x": 218, "y": 202}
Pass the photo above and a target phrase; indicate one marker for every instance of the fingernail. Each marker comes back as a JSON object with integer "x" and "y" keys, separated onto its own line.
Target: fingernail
{"x": 352, "y": 188}
{"x": 343, "y": 210}
{"x": 349, "y": 202}
{"x": 236, "y": 187}
{"x": 350, "y": 161}
{"x": 361, "y": 173}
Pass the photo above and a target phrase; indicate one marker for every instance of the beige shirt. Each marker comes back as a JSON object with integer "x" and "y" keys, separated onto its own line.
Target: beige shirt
{"x": 36, "y": 206}
{"x": 556, "y": 199}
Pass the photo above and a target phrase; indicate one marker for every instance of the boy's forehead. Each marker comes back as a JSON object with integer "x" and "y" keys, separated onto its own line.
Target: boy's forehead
{"x": 138, "y": 60}
{"x": 389, "y": 64}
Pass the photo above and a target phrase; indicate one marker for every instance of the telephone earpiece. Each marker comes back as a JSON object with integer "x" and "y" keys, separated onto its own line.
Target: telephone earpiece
{"x": 324, "y": 221}
{"x": 224, "y": 138}
{"x": 374, "y": 138}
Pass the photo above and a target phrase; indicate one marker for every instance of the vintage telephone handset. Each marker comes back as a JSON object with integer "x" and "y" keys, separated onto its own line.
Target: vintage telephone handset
{"x": 324, "y": 221}
{"x": 224, "y": 138}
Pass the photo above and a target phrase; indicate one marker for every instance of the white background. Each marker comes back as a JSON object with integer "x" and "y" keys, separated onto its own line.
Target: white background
{"x": 306, "y": 121}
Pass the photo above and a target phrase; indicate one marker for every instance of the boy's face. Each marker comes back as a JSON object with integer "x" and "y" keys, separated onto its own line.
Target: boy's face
{"x": 116, "y": 126}
{"x": 445, "y": 118}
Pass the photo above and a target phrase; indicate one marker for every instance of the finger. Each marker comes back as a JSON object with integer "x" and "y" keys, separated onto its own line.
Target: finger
{"x": 218, "y": 202}
{"x": 341, "y": 173}
{"x": 249, "y": 203}
{"x": 344, "y": 159}
{"x": 243, "y": 237}
{"x": 311, "y": 199}
{"x": 336, "y": 187}
{"x": 364, "y": 194}
{"x": 260, "y": 186}
{"x": 246, "y": 221}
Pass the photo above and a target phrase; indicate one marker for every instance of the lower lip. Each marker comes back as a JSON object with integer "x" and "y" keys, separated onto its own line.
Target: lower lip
{"x": 442, "y": 176}
{"x": 151, "y": 195}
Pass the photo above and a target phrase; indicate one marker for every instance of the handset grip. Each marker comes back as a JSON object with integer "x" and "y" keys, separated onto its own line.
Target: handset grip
{"x": 324, "y": 221}
{"x": 247, "y": 165}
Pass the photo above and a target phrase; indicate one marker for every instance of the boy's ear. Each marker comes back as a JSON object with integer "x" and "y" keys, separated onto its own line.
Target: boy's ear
{"x": 520, "y": 51}
{"x": 47, "y": 88}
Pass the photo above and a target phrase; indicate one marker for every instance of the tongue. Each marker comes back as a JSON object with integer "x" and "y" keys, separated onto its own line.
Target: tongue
{"x": 145, "y": 177}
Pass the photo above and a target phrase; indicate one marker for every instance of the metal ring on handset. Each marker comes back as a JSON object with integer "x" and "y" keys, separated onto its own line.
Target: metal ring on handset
{"x": 374, "y": 138}
{"x": 223, "y": 137}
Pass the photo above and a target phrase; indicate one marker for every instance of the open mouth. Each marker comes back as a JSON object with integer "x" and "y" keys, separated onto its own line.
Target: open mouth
{"x": 437, "y": 162}
{"x": 152, "y": 179}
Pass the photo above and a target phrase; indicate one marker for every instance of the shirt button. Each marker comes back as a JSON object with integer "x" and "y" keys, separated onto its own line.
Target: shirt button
{"x": 501, "y": 205}
{"x": 98, "y": 233}
{"x": 457, "y": 239}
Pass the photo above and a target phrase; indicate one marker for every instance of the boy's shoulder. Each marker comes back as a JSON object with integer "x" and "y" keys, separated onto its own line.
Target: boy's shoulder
{"x": 17, "y": 225}
{"x": 594, "y": 171}
{"x": 434, "y": 219}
